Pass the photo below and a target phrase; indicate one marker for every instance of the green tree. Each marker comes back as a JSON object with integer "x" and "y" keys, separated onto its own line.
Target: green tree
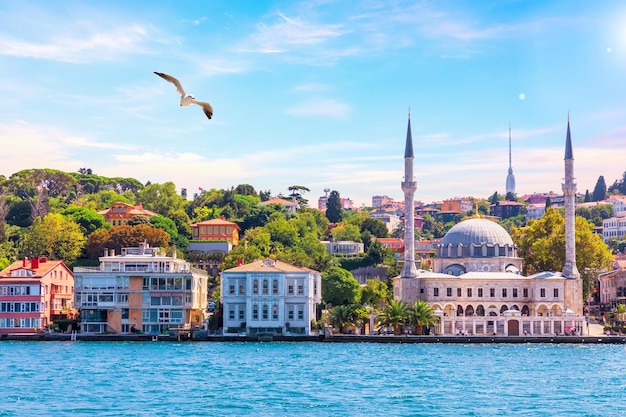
{"x": 53, "y": 236}
{"x": 587, "y": 196}
{"x": 124, "y": 237}
{"x": 599, "y": 191}
{"x": 345, "y": 317}
{"x": 394, "y": 315}
{"x": 619, "y": 186}
{"x": 334, "y": 212}
{"x": 348, "y": 232}
{"x": 374, "y": 293}
{"x": 375, "y": 226}
{"x": 162, "y": 198}
{"x": 542, "y": 245}
{"x": 377, "y": 252}
{"x": 297, "y": 192}
{"x": 88, "y": 219}
{"x": 339, "y": 287}
{"x": 421, "y": 316}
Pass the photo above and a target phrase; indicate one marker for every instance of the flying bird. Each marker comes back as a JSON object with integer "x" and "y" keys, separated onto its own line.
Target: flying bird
{"x": 187, "y": 99}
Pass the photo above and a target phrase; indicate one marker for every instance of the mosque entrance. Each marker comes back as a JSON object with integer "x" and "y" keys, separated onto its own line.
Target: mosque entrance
{"x": 513, "y": 328}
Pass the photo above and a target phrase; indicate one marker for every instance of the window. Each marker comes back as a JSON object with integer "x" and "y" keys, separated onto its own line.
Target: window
{"x": 458, "y": 292}
{"x": 265, "y": 287}
{"x": 275, "y": 286}
{"x": 255, "y": 286}
{"x": 492, "y": 292}
{"x": 314, "y": 287}
{"x": 542, "y": 292}
{"x": 231, "y": 289}
{"x": 300, "y": 289}
{"x": 556, "y": 293}
{"x": 504, "y": 292}
{"x": 435, "y": 292}
{"x": 274, "y": 312}
{"x": 480, "y": 292}
{"x": 255, "y": 312}
{"x": 265, "y": 311}
{"x": 242, "y": 289}
{"x": 449, "y": 292}
{"x": 300, "y": 314}
{"x": 290, "y": 289}
{"x": 469, "y": 292}
{"x": 241, "y": 314}
{"x": 525, "y": 292}
{"x": 290, "y": 313}
{"x": 231, "y": 313}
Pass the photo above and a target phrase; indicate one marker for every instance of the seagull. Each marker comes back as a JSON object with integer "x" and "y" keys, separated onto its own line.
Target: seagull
{"x": 186, "y": 99}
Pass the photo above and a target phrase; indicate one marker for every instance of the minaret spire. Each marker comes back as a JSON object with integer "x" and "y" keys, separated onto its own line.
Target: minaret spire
{"x": 569, "y": 193}
{"x": 409, "y": 185}
{"x": 510, "y": 178}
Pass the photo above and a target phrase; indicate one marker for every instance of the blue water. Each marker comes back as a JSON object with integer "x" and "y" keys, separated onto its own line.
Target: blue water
{"x": 310, "y": 379}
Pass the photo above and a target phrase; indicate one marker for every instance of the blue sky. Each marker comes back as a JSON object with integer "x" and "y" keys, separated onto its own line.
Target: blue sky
{"x": 316, "y": 93}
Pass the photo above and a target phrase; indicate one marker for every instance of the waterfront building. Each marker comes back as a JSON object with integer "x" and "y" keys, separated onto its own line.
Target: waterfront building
{"x": 120, "y": 213}
{"x": 613, "y": 285}
{"x": 476, "y": 286}
{"x": 35, "y": 293}
{"x": 270, "y": 296}
{"x": 140, "y": 289}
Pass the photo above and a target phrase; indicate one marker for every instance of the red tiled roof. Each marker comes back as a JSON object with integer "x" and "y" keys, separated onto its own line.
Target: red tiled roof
{"x": 217, "y": 222}
{"x": 44, "y": 267}
{"x": 280, "y": 201}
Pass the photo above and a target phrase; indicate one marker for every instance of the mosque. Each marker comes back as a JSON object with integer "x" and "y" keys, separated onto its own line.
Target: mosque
{"x": 476, "y": 286}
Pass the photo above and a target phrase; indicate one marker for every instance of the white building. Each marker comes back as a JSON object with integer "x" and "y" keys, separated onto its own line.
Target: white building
{"x": 270, "y": 296}
{"x": 346, "y": 248}
{"x": 614, "y": 227}
{"x": 141, "y": 289}
{"x": 618, "y": 202}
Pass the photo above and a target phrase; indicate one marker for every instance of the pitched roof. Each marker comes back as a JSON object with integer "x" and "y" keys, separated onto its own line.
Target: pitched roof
{"x": 217, "y": 222}
{"x": 43, "y": 268}
{"x": 280, "y": 201}
{"x": 133, "y": 210}
{"x": 268, "y": 265}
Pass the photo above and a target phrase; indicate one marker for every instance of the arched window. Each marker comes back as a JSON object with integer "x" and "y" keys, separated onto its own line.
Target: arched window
{"x": 469, "y": 311}
{"x": 255, "y": 312}
{"x": 503, "y": 309}
{"x": 275, "y": 286}
{"x": 265, "y": 286}
{"x": 459, "y": 310}
{"x": 525, "y": 311}
{"x": 480, "y": 310}
{"x": 255, "y": 286}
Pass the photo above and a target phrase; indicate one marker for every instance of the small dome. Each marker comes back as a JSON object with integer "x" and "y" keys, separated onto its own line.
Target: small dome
{"x": 477, "y": 231}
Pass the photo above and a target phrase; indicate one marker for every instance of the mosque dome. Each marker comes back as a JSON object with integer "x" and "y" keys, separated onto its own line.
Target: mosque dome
{"x": 478, "y": 232}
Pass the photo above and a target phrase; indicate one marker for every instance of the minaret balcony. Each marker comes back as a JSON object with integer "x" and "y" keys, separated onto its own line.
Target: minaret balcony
{"x": 409, "y": 186}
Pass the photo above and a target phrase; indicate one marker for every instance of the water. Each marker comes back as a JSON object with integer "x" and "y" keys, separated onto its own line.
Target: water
{"x": 309, "y": 379}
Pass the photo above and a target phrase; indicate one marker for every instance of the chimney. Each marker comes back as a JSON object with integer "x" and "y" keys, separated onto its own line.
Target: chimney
{"x": 140, "y": 206}
{"x": 34, "y": 263}
{"x": 25, "y": 262}
{"x": 239, "y": 261}
{"x": 112, "y": 252}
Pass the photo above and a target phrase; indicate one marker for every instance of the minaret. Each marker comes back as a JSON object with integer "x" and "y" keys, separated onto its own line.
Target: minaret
{"x": 510, "y": 179}
{"x": 569, "y": 193}
{"x": 409, "y": 185}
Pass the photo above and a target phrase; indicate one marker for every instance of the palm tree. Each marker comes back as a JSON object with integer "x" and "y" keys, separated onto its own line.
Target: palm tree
{"x": 421, "y": 315}
{"x": 394, "y": 315}
{"x": 343, "y": 316}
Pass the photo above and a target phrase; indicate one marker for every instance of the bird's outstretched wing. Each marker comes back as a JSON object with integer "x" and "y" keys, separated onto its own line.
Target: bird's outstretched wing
{"x": 206, "y": 107}
{"x": 174, "y": 81}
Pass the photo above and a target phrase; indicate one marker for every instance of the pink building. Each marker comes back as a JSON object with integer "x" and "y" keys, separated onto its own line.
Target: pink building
{"x": 33, "y": 294}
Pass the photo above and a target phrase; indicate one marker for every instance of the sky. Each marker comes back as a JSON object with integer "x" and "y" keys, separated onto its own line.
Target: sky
{"x": 317, "y": 93}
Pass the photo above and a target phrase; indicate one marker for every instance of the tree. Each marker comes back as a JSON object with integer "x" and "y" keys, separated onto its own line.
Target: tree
{"x": 339, "y": 287}
{"x": 333, "y": 207}
{"x": 347, "y": 232}
{"x": 375, "y": 226}
{"x": 374, "y": 293}
{"x": 162, "y": 198}
{"x": 124, "y": 237}
{"x": 587, "y": 196}
{"x": 599, "y": 192}
{"x": 548, "y": 203}
{"x": 88, "y": 219}
{"x": 344, "y": 317}
{"x": 53, "y": 236}
{"x": 619, "y": 186}
{"x": 297, "y": 192}
{"x": 394, "y": 315}
{"x": 377, "y": 252}
{"x": 494, "y": 198}
{"x": 542, "y": 245}
{"x": 421, "y": 316}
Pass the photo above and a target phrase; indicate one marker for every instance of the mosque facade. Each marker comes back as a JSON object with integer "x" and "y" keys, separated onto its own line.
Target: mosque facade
{"x": 476, "y": 286}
